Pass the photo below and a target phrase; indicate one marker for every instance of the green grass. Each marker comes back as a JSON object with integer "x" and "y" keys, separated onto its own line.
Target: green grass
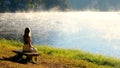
{"x": 66, "y": 58}
{"x": 80, "y": 55}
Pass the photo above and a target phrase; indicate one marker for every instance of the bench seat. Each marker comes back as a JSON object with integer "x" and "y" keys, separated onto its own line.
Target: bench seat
{"x": 29, "y": 55}
{"x": 26, "y": 53}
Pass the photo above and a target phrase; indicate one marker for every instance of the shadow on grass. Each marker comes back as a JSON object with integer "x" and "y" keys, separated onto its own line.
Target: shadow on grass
{"x": 15, "y": 59}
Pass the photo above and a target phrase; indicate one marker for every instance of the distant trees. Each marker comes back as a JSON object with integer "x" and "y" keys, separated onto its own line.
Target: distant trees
{"x": 13, "y": 5}
{"x": 61, "y": 4}
{"x": 35, "y": 5}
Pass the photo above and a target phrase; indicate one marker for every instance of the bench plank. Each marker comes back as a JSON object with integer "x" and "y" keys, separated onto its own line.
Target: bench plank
{"x": 26, "y": 53}
{"x": 18, "y": 51}
{"x": 32, "y": 54}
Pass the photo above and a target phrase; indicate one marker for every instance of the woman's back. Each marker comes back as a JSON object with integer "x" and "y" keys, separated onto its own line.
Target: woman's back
{"x": 27, "y": 42}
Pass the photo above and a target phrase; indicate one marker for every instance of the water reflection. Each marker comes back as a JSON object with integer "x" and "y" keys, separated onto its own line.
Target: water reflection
{"x": 96, "y": 32}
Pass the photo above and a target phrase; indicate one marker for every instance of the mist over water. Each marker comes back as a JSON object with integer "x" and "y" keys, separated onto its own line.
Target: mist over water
{"x": 95, "y": 32}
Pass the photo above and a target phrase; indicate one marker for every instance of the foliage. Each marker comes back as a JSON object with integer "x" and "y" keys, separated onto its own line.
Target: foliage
{"x": 55, "y": 3}
{"x": 34, "y": 5}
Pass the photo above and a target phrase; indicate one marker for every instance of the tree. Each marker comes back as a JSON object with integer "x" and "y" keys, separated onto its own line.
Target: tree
{"x": 61, "y": 4}
{"x": 25, "y": 5}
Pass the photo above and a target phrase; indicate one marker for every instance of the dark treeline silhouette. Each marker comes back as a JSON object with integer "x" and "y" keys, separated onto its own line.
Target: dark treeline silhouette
{"x": 34, "y": 5}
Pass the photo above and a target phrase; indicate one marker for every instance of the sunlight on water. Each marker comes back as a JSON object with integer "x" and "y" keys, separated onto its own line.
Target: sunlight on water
{"x": 96, "y": 32}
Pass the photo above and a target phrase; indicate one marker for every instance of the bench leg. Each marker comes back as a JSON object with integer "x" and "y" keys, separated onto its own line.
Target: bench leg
{"x": 32, "y": 59}
{"x": 29, "y": 58}
{"x": 36, "y": 58}
{"x": 18, "y": 57}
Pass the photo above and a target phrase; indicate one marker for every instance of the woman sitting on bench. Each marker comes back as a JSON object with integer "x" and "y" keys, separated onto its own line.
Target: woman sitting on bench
{"x": 28, "y": 49}
{"x": 27, "y": 42}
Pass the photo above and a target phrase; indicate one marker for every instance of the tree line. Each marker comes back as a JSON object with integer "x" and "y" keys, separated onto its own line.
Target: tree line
{"x": 34, "y": 5}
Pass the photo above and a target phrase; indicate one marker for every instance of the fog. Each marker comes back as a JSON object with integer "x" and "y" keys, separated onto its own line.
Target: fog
{"x": 92, "y": 31}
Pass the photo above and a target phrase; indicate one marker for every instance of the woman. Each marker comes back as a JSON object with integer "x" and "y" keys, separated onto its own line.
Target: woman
{"x": 27, "y": 42}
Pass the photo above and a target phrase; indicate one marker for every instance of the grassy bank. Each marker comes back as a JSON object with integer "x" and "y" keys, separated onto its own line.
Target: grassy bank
{"x": 51, "y": 57}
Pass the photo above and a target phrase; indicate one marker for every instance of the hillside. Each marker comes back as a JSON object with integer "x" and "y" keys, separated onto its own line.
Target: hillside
{"x": 54, "y": 58}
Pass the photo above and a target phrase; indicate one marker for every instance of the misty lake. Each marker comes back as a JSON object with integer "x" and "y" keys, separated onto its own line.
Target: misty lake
{"x": 94, "y": 32}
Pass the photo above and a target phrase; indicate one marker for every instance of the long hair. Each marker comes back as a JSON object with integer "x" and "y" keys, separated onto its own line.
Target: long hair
{"x": 27, "y": 32}
{"x": 26, "y": 35}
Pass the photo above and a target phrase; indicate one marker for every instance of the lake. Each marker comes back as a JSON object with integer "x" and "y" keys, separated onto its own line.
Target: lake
{"x": 94, "y": 32}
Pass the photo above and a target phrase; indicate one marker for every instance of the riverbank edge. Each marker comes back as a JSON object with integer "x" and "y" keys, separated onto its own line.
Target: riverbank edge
{"x": 75, "y": 57}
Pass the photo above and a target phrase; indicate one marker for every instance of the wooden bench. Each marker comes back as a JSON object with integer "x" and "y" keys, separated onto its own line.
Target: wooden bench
{"x": 29, "y": 55}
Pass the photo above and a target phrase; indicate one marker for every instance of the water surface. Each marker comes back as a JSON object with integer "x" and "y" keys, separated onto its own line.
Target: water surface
{"x": 95, "y": 32}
